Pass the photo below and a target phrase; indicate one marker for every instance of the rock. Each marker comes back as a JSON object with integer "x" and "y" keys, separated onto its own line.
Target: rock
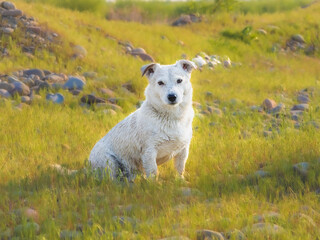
{"x": 235, "y": 235}
{"x": 8, "y": 5}
{"x": 26, "y": 99}
{"x": 138, "y": 51}
{"x": 80, "y": 51}
{"x": 34, "y": 71}
{"x": 262, "y": 31}
{"x": 129, "y": 87}
{"x": 227, "y": 63}
{"x": 197, "y": 105}
{"x": 303, "y": 98}
{"x": 208, "y": 235}
{"x": 182, "y": 20}
{"x": 4, "y": 93}
{"x": 268, "y": 228}
{"x": 267, "y": 133}
{"x": 34, "y": 29}
{"x": 27, "y": 229}
{"x": 91, "y": 99}
{"x": 55, "y": 98}
{"x": 123, "y": 220}
{"x": 7, "y": 86}
{"x": 301, "y": 107}
{"x": 105, "y": 91}
{"x": 261, "y": 174}
{"x": 199, "y": 61}
{"x": 270, "y": 216}
{"x": 268, "y": 104}
{"x": 6, "y": 30}
{"x": 12, "y": 79}
{"x": 12, "y": 13}
{"x": 74, "y": 83}
{"x": 44, "y": 86}
{"x": 298, "y": 38}
{"x": 21, "y": 89}
{"x": 67, "y": 234}
{"x": 302, "y": 168}
{"x": 215, "y": 111}
{"x": 75, "y": 92}
{"x": 278, "y": 109}
{"x": 109, "y": 112}
{"x": 55, "y": 78}
{"x": 145, "y": 57}
{"x": 90, "y": 74}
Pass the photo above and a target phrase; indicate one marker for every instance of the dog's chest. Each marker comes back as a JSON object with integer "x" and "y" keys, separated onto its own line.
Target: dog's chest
{"x": 172, "y": 142}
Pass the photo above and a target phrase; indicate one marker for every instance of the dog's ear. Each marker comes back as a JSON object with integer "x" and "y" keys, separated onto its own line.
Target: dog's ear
{"x": 186, "y": 65}
{"x": 148, "y": 69}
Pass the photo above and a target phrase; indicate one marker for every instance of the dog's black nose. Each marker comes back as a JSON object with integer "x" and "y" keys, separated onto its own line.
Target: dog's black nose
{"x": 172, "y": 97}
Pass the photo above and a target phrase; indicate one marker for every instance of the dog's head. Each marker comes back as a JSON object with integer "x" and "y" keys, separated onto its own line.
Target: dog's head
{"x": 169, "y": 84}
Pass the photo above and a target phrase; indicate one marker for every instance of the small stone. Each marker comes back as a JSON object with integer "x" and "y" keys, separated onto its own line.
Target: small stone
{"x": 33, "y": 29}
{"x": 215, "y": 111}
{"x": 227, "y": 63}
{"x": 262, "y": 31}
{"x": 7, "y": 86}
{"x": 55, "y": 98}
{"x": 7, "y": 30}
{"x": 109, "y": 112}
{"x": 303, "y": 98}
{"x": 209, "y": 235}
{"x": 12, "y": 13}
{"x": 278, "y": 109}
{"x": 298, "y": 38}
{"x": 261, "y": 174}
{"x": 107, "y": 92}
{"x": 302, "y": 168}
{"x": 80, "y": 51}
{"x": 44, "y": 86}
{"x": 144, "y": 57}
{"x": 199, "y": 61}
{"x": 235, "y": 235}
{"x": 90, "y": 74}
{"x": 75, "y": 92}
{"x": 301, "y": 107}
{"x": 182, "y": 20}
{"x": 21, "y": 89}
{"x": 74, "y": 83}
{"x": 138, "y": 51}
{"x": 34, "y": 71}
{"x": 26, "y": 99}
{"x": 129, "y": 87}
{"x": 267, "y": 228}
{"x": 4, "y": 93}
{"x": 55, "y": 78}
{"x": 27, "y": 229}
{"x": 12, "y": 79}
{"x": 91, "y": 99}
{"x": 8, "y": 5}
{"x": 269, "y": 104}
{"x": 67, "y": 234}
{"x": 65, "y": 147}
{"x": 267, "y": 134}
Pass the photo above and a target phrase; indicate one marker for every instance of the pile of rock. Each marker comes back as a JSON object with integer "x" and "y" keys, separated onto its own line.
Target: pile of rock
{"x": 13, "y": 18}
{"x": 202, "y": 59}
{"x": 136, "y": 52}
{"x": 186, "y": 19}
{"x": 297, "y": 42}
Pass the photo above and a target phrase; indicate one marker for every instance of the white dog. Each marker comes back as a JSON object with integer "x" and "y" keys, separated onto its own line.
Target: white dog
{"x": 159, "y": 130}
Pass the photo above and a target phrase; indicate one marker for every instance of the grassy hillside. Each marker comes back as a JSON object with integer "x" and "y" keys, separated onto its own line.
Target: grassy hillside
{"x": 223, "y": 190}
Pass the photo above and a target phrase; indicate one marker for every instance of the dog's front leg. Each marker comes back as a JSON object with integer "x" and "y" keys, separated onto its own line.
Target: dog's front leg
{"x": 180, "y": 160}
{"x": 149, "y": 162}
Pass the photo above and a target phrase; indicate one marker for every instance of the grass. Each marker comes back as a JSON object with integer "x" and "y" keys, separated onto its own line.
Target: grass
{"x": 223, "y": 156}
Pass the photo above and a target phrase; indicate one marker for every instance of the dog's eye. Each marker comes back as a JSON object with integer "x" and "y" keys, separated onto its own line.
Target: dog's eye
{"x": 179, "y": 80}
{"x": 160, "y": 83}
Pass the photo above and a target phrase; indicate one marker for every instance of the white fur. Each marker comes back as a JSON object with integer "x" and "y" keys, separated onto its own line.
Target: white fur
{"x": 156, "y": 132}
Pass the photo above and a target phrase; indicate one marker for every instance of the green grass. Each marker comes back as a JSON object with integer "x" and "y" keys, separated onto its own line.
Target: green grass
{"x": 222, "y": 157}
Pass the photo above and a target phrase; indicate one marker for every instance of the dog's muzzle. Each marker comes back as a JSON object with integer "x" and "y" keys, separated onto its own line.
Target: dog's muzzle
{"x": 172, "y": 98}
